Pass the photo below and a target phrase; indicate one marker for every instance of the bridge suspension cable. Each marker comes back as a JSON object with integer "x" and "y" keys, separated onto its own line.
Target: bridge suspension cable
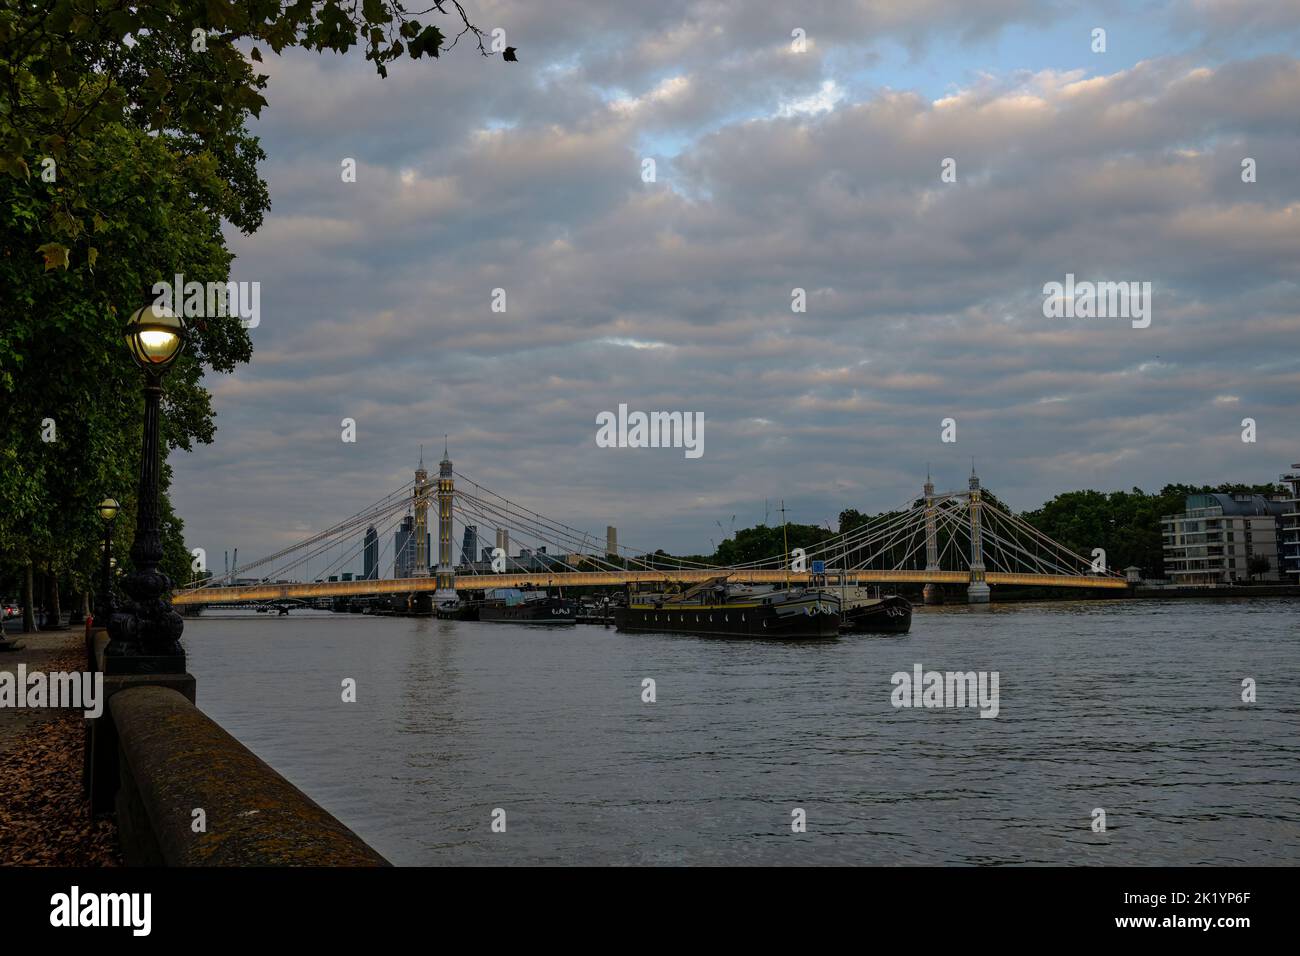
{"x": 508, "y": 508}
{"x": 377, "y": 511}
{"x": 535, "y": 528}
{"x": 396, "y": 513}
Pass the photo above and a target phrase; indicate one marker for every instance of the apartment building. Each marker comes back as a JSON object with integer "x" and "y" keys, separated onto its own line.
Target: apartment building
{"x": 1225, "y": 538}
{"x": 1291, "y": 527}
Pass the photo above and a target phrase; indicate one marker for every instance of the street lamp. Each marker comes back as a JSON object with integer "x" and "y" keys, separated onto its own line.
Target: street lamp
{"x": 108, "y": 509}
{"x": 144, "y": 638}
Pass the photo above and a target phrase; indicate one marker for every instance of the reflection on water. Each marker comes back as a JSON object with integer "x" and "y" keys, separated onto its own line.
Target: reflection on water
{"x": 1132, "y": 707}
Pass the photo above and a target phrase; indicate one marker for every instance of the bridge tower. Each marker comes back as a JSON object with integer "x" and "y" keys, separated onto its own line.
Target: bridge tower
{"x": 932, "y": 593}
{"x": 977, "y": 592}
{"x": 446, "y": 569}
{"x": 420, "y": 497}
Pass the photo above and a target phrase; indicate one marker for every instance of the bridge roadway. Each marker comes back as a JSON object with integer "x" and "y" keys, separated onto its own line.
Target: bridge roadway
{"x": 478, "y": 582}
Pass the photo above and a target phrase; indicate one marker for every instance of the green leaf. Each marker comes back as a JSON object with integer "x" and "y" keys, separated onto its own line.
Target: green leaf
{"x": 429, "y": 41}
{"x": 376, "y": 11}
{"x": 56, "y": 255}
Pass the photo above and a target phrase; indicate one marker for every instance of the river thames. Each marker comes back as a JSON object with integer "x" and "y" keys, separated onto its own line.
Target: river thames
{"x": 1134, "y": 708}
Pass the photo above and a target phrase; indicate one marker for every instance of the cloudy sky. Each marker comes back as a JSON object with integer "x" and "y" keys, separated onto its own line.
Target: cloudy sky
{"x": 775, "y": 170}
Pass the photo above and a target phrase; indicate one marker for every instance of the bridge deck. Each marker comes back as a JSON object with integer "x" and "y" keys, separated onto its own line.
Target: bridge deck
{"x": 477, "y": 582}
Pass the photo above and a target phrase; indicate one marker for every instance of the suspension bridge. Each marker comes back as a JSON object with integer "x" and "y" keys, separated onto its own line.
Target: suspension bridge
{"x": 955, "y": 538}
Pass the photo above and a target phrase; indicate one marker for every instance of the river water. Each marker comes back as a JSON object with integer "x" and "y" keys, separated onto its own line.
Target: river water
{"x": 1134, "y": 708}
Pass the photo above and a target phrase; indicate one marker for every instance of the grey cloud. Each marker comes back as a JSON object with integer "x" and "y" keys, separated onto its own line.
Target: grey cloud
{"x": 924, "y": 298}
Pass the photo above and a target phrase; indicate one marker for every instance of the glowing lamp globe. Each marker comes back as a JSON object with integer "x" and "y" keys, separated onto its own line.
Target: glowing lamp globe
{"x": 155, "y": 337}
{"x": 108, "y": 509}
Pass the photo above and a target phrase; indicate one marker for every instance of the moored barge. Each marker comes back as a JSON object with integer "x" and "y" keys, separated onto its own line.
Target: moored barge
{"x": 884, "y": 615}
{"x": 516, "y": 606}
{"x": 717, "y": 609}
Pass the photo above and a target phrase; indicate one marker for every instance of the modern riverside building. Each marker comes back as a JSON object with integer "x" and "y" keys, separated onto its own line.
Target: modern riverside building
{"x": 371, "y": 559}
{"x": 1291, "y": 526}
{"x": 1222, "y": 539}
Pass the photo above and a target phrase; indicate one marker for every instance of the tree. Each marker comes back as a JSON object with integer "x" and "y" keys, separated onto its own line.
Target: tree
{"x": 123, "y": 133}
{"x": 69, "y": 68}
{"x": 71, "y": 432}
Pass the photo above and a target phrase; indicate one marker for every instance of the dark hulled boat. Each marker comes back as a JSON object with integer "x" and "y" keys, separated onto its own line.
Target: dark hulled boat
{"x": 716, "y": 609}
{"x": 458, "y": 610}
{"x": 514, "y": 606}
{"x": 886, "y": 615}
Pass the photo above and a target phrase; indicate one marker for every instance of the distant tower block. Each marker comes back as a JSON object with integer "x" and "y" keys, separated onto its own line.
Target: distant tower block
{"x": 611, "y": 541}
{"x": 446, "y": 570}
{"x": 977, "y": 592}
{"x": 932, "y": 594}
{"x": 503, "y": 540}
{"x": 371, "y": 554}
{"x": 469, "y": 545}
{"x": 420, "y": 495}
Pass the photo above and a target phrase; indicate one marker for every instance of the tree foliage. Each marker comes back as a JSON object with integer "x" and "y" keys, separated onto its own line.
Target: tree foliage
{"x": 123, "y": 149}
{"x": 71, "y": 432}
{"x": 761, "y": 541}
{"x": 185, "y": 68}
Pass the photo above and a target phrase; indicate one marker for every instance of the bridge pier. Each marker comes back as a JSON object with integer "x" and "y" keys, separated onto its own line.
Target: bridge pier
{"x": 932, "y": 593}
{"x": 977, "y": 592}
{"x": 446, "y": 573}
{"x": 421, "y": 501}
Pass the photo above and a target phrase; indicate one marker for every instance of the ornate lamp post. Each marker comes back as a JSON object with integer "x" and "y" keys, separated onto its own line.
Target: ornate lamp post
{"x": 107, "y": 510}
{"x": 144, "y": 636}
